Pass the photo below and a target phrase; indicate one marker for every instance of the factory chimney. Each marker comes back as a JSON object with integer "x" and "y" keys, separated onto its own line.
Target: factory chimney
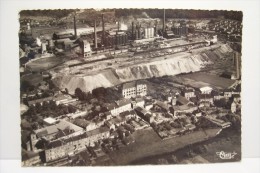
{"x": 133, "y": 36}
{"x": 163, "y": 20}
{"x": 155, "y": 29}
{"x": 118, "y": 26}
{"x": 103, "y": 30}
{"x": 75, "y": 27}
{"x": 95, "y": 34}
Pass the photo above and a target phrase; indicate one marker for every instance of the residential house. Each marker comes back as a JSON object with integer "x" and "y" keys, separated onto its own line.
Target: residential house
{"x": 188, "y": 93}
{"x": 87, "y": 125}
{"x": 127, "y": 114}
{"x": 228, "y": 93}
{"x": 182, "y": 100}
{"x": 233, "y": 107}
{"x": 144, "y": 114}
{"x": 65, "y": 147}
{"x": 183, "y": 109}
{"x": 123, "y": 105}
{"x": 49, "y": 121}
{"x": 63, "y": 129}
{"x": 162, "y": 106}
{"x": 137, "y": 102}
{"x": 119, "y": 106}
{"x": 206, "y": 90}
{"x": 148, "y": 106}
{"x": 205, "y": 98}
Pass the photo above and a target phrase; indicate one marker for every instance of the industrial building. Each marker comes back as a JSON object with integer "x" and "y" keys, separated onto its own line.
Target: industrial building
{"x": 115, "y": 38}
{"x": 134, "y": 89}
{"x": 180, "y": 30}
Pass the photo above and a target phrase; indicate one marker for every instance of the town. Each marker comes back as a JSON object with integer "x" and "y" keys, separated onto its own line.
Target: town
{"x": 101, "y": 89}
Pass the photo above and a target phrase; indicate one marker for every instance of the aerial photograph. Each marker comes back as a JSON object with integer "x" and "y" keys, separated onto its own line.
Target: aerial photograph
{"x": 125, "y": 87}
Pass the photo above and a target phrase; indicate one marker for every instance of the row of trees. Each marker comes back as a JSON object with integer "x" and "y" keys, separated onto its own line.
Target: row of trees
{"x": 101, "y": 93}
{"x": 50, "y": 109}
{"x": 49, "y": 13}
{"x": 179, "y": 13}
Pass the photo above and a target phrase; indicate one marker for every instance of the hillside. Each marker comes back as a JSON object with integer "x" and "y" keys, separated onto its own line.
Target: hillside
{"x": 170, "y": 66}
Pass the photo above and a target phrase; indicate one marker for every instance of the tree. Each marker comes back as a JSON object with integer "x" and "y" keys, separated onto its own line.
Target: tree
{"x": 38, "y": 107}
{"x": 162, "y": 161}
{"x": 174, "y": 159}
{"x": 220, "y": 103}
{"x": 78, "y": 93}
{"x": 71, "y": 109}
{"x": 52, "y": 105}
{"x": 26, "y": 86}
{"x": 167, "y": 126}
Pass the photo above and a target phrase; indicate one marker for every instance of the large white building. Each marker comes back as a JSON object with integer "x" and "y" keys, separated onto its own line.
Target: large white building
{"x": 134, "y": 89}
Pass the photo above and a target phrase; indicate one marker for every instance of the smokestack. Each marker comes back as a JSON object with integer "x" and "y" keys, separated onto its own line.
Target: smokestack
{"x": 95, "y": 34}
{"x": 138, "y": 31}
{"x": 75, "y": 27}
{"x": 133, "y": 31}
{"x": 103, "y": 30}
{"x": 164, "y": 20}
{"x": 155, "y": 29}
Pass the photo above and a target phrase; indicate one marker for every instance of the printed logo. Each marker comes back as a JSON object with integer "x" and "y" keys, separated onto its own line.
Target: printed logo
{"x": 226, "y": 156}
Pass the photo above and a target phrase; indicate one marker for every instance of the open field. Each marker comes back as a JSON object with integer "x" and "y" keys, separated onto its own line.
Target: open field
{"x": 44, "y": 63}
{"x": 201, "y": 79}
{"x": 148, "y": 144}
{"x": 229, "y": 140}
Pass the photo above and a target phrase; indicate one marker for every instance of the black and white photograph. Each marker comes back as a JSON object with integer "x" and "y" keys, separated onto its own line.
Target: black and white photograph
{"x": 117, "y": 87}
{"x": 129, "y": 86}
{"x": 108, "y": 87}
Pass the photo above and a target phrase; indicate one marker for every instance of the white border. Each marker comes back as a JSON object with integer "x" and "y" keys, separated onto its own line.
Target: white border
{"x": 9, "y": 73}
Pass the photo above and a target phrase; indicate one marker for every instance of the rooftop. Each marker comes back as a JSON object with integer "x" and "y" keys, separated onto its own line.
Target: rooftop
{"x": 206, "y": 88}
{"x": 141, "y": 110}
{"x": 182, "y": 100}
{"x": 97, "y": 131}
{"x": 132, "y": 84}
{"x": 81, "y": 122}
{"x": 162, "y": 105}
{"x": 181, "y": 108}
{"x": 50, "y": 120}
{"x": 205, "y": 96}
{"x": 111, "y": 106}
{"x": 54, "y": 129}
{"x": 40, "y": 100}
{"x": 123, "y": 102}
{"x": 129, "y": 85}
